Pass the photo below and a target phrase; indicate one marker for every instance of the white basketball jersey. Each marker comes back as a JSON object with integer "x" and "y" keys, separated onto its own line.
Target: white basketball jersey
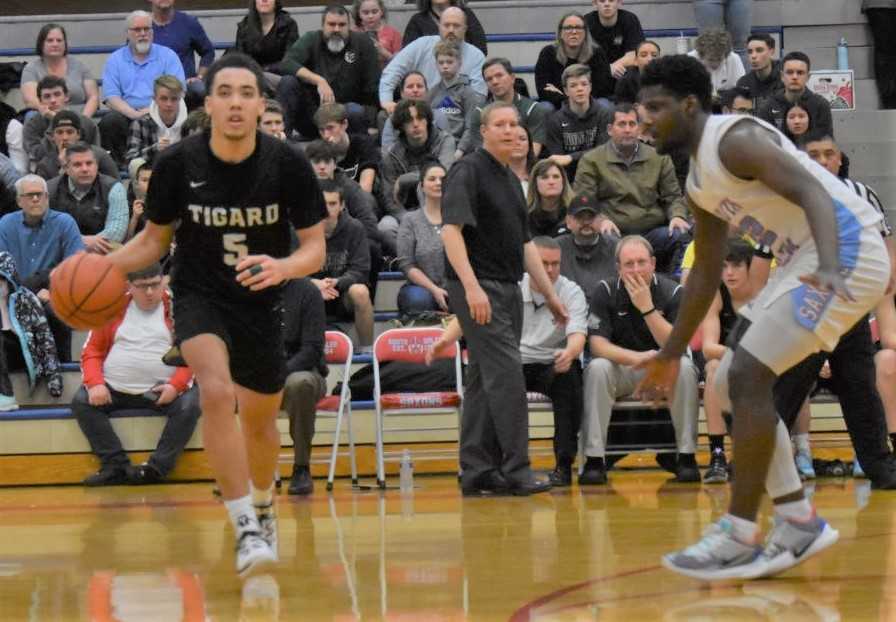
{"x": 757, "y": 210}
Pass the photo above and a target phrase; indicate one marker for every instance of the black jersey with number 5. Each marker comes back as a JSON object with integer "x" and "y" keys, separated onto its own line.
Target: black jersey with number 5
{"x": 227, "y": 211}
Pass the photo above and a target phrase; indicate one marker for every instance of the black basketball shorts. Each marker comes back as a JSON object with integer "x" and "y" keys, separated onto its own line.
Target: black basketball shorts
{"x": 253, "y": 334}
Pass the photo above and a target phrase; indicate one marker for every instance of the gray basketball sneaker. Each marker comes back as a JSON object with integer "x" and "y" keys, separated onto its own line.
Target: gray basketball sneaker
{"x": 790, "y": 543}
{"x": 716, "y": 557}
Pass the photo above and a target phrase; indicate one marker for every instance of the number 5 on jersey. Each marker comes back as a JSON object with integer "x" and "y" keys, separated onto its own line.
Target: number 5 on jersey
{"x": 235, "y": 248}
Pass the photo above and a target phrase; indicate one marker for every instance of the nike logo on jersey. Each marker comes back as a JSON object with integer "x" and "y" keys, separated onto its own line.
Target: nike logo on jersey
{"x": 197, "y": 184}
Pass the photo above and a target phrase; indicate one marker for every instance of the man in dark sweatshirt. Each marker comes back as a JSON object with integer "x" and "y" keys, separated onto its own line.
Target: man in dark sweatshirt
{"x": 343, "y": 279}
{"x": 307, "y": 370}
{"x": 329, "y": 65}
{"x": 765, "y": 76}
{"x": 795, "y": 75}
{"x": 580, "y": 124}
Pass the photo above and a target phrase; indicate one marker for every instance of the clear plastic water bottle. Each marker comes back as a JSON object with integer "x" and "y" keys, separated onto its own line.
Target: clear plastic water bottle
{"x": 681, "y": 44}
{"x": 406, "y": 472}
{"x": 842, "y": 55}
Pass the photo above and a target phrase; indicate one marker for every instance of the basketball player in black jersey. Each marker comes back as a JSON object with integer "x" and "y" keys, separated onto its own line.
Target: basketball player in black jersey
{"x": 229, "y": 197}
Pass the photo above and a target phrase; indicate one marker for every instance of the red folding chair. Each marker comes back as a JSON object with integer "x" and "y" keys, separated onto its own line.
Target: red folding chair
{"x": 410, "y": 345}
{"x": 338, "y": 350}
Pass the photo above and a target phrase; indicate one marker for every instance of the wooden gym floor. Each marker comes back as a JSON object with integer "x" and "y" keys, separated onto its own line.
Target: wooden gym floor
{"x": 165, "y": 553}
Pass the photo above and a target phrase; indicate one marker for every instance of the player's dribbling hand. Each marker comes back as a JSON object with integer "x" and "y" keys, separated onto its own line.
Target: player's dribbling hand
{"x": 480, "y": 307}
{"x": 258, "y": 272}
{"x": 828, "y": 281}
{"x": 658, "y": 384}
{"x": 99, "y": 395}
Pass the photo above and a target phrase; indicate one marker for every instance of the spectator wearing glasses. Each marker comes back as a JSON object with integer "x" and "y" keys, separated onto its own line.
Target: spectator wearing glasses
{"x": 572, "y": 46}
{"x": 38, "y": 239}
{"x": 128, "y": 79}
{"x": 122, "y": 369}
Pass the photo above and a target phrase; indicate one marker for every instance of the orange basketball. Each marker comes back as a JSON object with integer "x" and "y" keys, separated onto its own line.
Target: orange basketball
{"x": 87, "y": 290}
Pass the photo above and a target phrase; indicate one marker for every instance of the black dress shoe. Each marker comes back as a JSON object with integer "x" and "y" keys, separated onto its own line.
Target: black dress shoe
{"x": 687, "y": 473}
{"x": 668, "y": 461}
{"x": 489, "y": 484}
{"x": 108, "y": 476}
{"x": 593, "y": 475}
{"x": 533, "y": 486}
{"x": 561, "y": 476}
{"x": 301, "y": 483}
{"x": 144, "y": 474}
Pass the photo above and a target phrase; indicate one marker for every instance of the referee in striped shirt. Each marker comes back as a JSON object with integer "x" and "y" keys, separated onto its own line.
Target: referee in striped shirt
{"x": 852, "y": 361}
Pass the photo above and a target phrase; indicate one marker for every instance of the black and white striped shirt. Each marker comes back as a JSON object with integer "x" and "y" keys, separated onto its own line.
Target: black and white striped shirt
{"x": 871, "y": 197}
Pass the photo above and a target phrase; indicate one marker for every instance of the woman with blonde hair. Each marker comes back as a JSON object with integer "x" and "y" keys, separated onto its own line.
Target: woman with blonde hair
{"x": 548, "y": 197}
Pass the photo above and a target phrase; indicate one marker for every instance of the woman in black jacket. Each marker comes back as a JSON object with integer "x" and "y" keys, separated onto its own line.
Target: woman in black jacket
{"x": 265, "y": 34}
{"x": 573, "y": 45}
{"x": 426, "y": 22}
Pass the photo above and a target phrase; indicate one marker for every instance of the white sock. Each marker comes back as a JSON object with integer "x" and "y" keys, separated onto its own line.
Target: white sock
{"x": 242, "y": 515}
{"x": 801, "y": 442}
{"x": 800, "y": 511}
{"x": 743, "y": 530}
{"x": 261, "y": 497}
{"x": 782, "y": 478}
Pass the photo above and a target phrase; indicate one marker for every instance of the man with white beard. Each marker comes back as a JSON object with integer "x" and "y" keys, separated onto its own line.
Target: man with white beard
{"x": 329, "y": 65}
{"x": 128, "y": 81}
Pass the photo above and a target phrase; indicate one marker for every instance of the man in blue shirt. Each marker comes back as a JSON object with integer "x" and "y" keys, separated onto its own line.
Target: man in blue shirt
{"x": 184, "y": 34}
{"x": 128, "y": 81}
{"x": 39, "y": 239}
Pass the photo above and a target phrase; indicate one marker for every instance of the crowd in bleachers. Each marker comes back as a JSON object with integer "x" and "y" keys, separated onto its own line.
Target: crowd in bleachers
{"x": 382, "y": 116}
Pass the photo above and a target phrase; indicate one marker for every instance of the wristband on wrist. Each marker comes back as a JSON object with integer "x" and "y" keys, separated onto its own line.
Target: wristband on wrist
{"x": 648, "y": 312}
{"x": 764, "y": 252}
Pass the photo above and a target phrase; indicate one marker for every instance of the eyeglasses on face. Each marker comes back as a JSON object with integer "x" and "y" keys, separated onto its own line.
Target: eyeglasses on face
{"x": 33, "y": 196}
{"x": 147, "y": 287}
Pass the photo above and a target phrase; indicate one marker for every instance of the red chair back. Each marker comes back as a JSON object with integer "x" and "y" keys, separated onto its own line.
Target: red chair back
{"x": 410, "y": 344}
{"x": 337, "y": 347}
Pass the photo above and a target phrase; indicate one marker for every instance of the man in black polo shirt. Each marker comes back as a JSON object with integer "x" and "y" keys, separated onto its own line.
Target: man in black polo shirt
{"x": 487, "y": 243}
{"x": 631, "y": 318}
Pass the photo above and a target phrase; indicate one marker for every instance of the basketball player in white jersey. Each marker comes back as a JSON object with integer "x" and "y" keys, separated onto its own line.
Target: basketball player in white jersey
{"x": 832, "y": 269}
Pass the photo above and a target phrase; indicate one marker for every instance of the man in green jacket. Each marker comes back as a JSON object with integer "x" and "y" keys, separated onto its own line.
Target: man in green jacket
{"x": 639, "y": 189}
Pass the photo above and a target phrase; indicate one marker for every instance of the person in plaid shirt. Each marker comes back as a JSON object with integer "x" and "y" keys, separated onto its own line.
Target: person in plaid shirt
{"x": 160, "y": 127}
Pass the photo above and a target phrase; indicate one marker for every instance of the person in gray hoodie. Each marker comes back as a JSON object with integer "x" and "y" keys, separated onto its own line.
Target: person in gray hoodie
{"x": 418, "y": 141}
{"x": 160, "y": 127}
{"x": 454, "y": 96}
{"x": 581, "y": 123}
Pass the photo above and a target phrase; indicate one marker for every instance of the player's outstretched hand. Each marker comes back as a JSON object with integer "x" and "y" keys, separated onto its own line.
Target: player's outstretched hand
{"x": 658, "y": 384}
{"x": 828, "y": 281}
{"x": 259, "y": 272}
